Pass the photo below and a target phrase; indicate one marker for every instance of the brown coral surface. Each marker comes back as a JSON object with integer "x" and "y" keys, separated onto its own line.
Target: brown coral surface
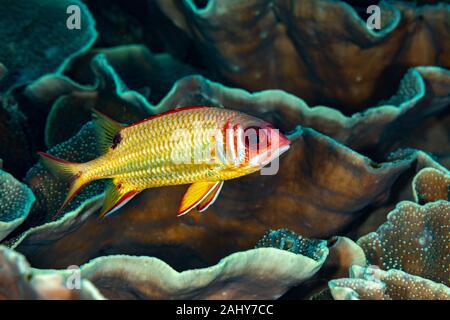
{"x": 414, "y": 239}
{"x": 369, "y": 283}
{"x": 367, "y": 112}
{"x": 320, "y": 50}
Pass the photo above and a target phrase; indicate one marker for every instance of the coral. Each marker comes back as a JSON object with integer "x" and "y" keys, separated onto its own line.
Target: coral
{"x": 51, "y": 191}
{"x": 116, "y": 23}
{"x": 70, "y": 104}
{"x": 120, "y": 23}
{"x": 344, "y": 253}
{"x": 18, "y": 281}
{"x": 402, "y": 190}
{"x": 15, "y": 204}
{"x": 424, "y": 91}
{"x": 109, "y": 95}
{"x": 432, "y": 135}
{"x": 412, "y": 246}
{"x": 414, "y": 239}
{"x": 369, "y": 283}
{"x": 33, "y": 45}
{"x": 52, "y": 231}
{"x": 319, "y": 50}
{"x": 431, "y": 185}
{"x": 235, "y": 277}
{"x": 322, "y": 166}
{"x": 367, "y": 112}
{"x": 151, "y": 74}
{"x": 263, "y": 273}
{"x": 3, "y": 71}
{"x": 285, "y": 239}
{"x": 15, "y": 145}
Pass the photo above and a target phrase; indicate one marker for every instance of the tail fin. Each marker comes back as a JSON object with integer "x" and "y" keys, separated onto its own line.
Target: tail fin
{"x": 70, "y": 171}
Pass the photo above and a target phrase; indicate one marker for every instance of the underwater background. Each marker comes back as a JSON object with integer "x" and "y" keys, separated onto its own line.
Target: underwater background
{"x": 358, "y": 210}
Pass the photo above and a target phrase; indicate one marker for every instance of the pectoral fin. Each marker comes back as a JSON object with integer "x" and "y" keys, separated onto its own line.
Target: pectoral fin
{"x": 117, "y": 195}
{"x": 195, "y": 194}
{"x": 210, "y": 198}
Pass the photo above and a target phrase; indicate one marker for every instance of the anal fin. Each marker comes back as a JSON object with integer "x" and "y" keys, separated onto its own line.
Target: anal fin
{"x": 195, "y": 194}
{"x": 117, "y": 195}
{"x": 210, "y": 198}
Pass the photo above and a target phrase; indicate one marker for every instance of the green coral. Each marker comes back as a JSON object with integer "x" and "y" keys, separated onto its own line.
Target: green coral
{"x": 15, "y": 145}
{"x": 16, "y": 201}
{"x": 109, "y": 95}
{"x": 35, "y": 40}
{"x": 50, "y": 190}
{"x": 288, "y": 240}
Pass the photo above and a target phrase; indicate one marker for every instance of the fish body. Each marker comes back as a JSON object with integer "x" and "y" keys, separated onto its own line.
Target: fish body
{"x": 201, "y": 146}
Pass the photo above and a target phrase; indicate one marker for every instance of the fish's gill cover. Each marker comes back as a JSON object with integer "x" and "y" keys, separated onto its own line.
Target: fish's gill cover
{"x": 36, "y": 40}
{"x": 414, "y": 239}
{"x": 372, "y": 283}
{"x": 16, "y": 200}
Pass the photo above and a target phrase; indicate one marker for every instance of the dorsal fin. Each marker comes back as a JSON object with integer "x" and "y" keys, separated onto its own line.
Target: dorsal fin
{"x": 106, "y": 129}
{"x": 165, "y": 113}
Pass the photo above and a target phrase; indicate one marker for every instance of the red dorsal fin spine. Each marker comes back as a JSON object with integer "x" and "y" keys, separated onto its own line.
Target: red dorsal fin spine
{"x": 176, "y": 110}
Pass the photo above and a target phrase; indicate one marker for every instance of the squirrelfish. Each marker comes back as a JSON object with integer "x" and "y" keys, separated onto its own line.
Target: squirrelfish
{"x": 201, "y": 146}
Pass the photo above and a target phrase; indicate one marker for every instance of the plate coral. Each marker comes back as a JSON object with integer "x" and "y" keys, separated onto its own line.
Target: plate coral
{"x": 359, "y": 208}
